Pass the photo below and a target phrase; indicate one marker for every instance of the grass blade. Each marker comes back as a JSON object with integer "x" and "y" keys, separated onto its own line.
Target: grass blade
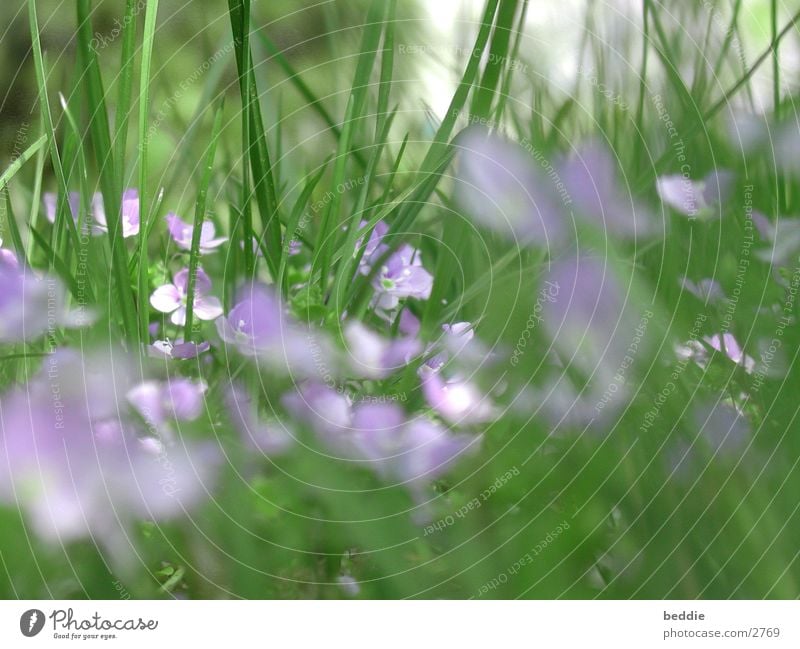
{"x": 199, "y": 216}
{"x": 498, "y": 56}
{"x": 125, "y": 84}
{"x": 370, "y": 38}
{"x": 254, "y": 147}
{"x": 63, "y": 215}
{"x": 144, "y": 213}
{"x": 104, "y": 158}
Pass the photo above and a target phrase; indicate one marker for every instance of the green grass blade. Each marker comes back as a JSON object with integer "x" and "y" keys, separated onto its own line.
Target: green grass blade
{"x": 104, "y": 157}
{"x": 16, "y": 238}
{"x": 439, "y": 152}
{"x": 199, "y": 216}
{"x": 255, "y": 147}
{"x": 505, "y": 88}
{"x": 327, "y": 236}
{"x": 498, "y": 56}
{"x": 345, "y": 269}
{"x": 387, "y": 70}
{"x": 20, "y": 161}
{"x": 148, "y": 37}
{"x": 125, "y": 85}
{"x": 293, "y": 224}
{"x": 63, "y": 215}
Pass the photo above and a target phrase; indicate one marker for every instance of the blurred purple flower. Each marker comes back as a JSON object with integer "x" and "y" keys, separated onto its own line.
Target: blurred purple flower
{"x": 723, "y": 427}
{"x": 78, "y": 466}
{"x": 372, "y": 356}
{"x": 181, "y": 233}
{"x": 783, "y": 237}
{"x": 379, "y": 436}
{"x": 349, "y": 585}
{"x": 499, "y": 186}
{"x": 375, "y": 247}
{"x": 592, "y": 321}
{"x": 591, "y": 180}
{"x": 160, "y": 403}
{"x": 327, "y": 412}
{"x": 457, "y": 400}
{"x": 725, "y": 344}
{"x": 409, "y": 324}
{"x": 8, "y": 259}
{"x": 258, "y": 326}
{"x": 49, "y": 199}
{"x": 597, "y": 330}
{"x": 129, "y": 213}
{"x": 708, "y": 290}
{"x": 701, "y": 198}
{"x": 266, "y": 438}
{"x": 179, "y": 349}
{"x": 255, "y": 322}
{"x": 32, "y": 305}
{"x": 172, "y": 298}
{"x": 413, "y": 452}
{"x": 728, "y": 345}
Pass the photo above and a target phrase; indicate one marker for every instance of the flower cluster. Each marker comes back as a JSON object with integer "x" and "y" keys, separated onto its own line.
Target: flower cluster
{"x": 88, "y": 458}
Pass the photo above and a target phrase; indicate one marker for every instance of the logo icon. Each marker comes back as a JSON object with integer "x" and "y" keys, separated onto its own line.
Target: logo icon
{"x": 31, "y": 622}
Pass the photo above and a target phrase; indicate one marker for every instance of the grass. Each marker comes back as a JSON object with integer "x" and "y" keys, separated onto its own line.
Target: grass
{"x": 291, "y": 526}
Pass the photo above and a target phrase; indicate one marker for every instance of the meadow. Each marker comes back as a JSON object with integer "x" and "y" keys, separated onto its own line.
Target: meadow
{"x": 385, "y": 300}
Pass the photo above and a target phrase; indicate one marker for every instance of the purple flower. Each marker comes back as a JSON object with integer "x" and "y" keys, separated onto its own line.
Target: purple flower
{"x": 783, "y": 237}
{"x": 8, "y": 259}
{"x": 457, "y": 400}
{"x": 255, "y": 322}
{"x": 349, "y": 585}
{"x": 375, "y": 247}
{"x": 723, "y": 427}
{"x": 592, "y": 321}
{"x": 591, "y": 179}
{"x": 400, "y": 276}
{"x": 459, "y": 342}
{"x": 379, "y": 436}
{"x": 129, "y": 213}
{"x": 598, "y": 331}
{"x": 78, "y": 466}
{"x": 409, "y": 324}
{"x": 500, "y": 187}
{"x": 707, "y": 290}
{"x": 266, "y": 438}
{"x": 181, "y": 233}
{"x": 178, "y": 350}
{"x": 726, "y": 344}
{"x": 31, "y": 305}
{"x": 776, "y": 142}
{"x": 372, "y": 356}
{"x": 50, "y": 200}
{"x": 412, "y": 452}
{"x": 160, "y": 403}
{"x": 172, "y": 298}
{"x": 327, "y": 412}
{"x": 692, "y": 198}
{"x": 257, "y": 326}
